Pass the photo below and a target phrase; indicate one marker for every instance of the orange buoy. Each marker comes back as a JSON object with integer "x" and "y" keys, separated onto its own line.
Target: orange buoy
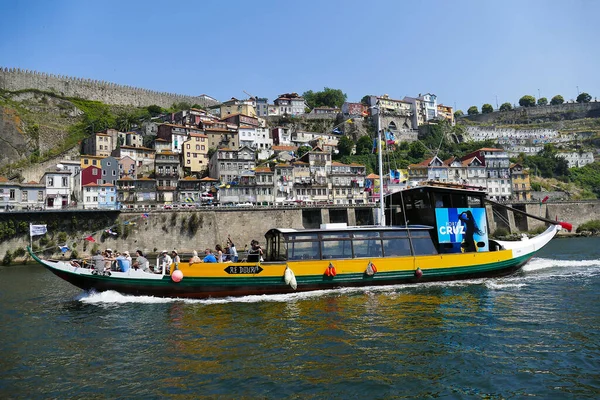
{"x": 330, "y": 271}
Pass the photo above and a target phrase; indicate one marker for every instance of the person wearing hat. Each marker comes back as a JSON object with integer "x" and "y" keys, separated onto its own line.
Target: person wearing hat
{"x": 176, "y": 259}
{"x": 127, "y": 256}
{"x": 164, "y": 263}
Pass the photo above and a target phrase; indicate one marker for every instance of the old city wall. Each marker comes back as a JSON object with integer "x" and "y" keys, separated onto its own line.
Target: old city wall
{"x": 567, "y": 111}
{"x": 13, "y": 79}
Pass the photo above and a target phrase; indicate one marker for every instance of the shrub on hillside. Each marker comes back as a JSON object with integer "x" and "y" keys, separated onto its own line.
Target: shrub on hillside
{"x": 590, "y": 226}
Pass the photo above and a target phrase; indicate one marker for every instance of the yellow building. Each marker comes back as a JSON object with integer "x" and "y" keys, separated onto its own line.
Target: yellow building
{"x": 235, "y": 106}
{"x": 446, "y": 112}
{"x": 521, "y": 185}
{"x": 195, "y": 153}
{"x": 87, "y": 160}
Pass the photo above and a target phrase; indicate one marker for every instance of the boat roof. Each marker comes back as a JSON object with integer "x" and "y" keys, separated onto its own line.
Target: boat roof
{"x": 435, "y": 186}
{"x": 344, "y": 228}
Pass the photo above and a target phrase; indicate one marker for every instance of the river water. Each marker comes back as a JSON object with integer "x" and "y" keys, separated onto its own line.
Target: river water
{"x": 535, "y": 333}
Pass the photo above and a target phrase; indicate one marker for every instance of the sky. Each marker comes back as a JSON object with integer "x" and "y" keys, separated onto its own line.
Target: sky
{"x": 467, "y": 52}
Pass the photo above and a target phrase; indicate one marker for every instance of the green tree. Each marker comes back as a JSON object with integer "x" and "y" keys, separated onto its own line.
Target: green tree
{"x": 154, "y": 110}
{"x": 506, "y": 107}
{"x": 542, "y": 101}
{"x": 527, "y": 101}
{"x": 473, "y": 110}
{"x": 487, "y": 108}
{"x": 556, "y": 100}
{"x": 584, "y": 98}
{"x": 302, "y": 150}
{"x": 125, "y": 121}
{"x": 364, "y": 145}
{"x": 326, "y": 98}
{"x": 416, "y": 151}
{"x": 365, "y": 100}
{"x": 345, "y": 146}
{"x": 458, "y": 114}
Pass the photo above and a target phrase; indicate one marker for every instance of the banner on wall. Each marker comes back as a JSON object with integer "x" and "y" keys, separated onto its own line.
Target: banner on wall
{"x": 462, "y": 229}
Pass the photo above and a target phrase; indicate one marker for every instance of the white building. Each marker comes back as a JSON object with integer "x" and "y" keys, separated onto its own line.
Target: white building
{"x": 58, "y": 188}
{"x": 577, "y": 159}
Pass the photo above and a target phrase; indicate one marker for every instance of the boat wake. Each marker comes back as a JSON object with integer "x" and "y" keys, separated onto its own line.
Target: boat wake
{"x": 537, "y": 269}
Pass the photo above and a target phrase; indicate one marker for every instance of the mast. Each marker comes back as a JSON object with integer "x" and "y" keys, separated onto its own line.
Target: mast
{"x": 380, "y": 162}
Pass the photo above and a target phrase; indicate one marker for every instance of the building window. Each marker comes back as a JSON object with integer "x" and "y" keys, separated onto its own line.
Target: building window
{"x": 25, "y": 196}
{"x": 50, "y": 182}
{"x": 65, "y": 182}
{"x": 12, "y": 194}
{"x": 40, "y": 195}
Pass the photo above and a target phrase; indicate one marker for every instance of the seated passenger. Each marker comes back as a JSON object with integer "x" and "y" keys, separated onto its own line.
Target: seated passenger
{"x": 141, "y": 262}
{"x": 255, "y": 254}
{"x": 122, "y": 263}
{"x": 195, "y": 258}
{"x": 98, "y": 262}
{"x": 209, "y": 257}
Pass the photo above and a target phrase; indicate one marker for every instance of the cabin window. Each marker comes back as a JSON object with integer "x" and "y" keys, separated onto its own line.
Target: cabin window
{"x": 475, "y": 201}
{"x": 367, "y": 244}
{"x": 336, "y": 245}
{"x": 422, "y": 243}
{"x": 395, "y": 243}
{"x": 303, "y": 247}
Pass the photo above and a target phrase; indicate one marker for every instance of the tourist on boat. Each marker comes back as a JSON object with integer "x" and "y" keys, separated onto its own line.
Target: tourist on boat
{"x": 98, "y": 262}
{"x": 209, "y": 257}
{"x": 127, "y": 256}
{"x": 108, "y": 259}
{"x": 176, "y": 259}
{"x": 219, "y": 253}
{"x": 255, "y": 254}
{"x": 141, "y": 262}
{"x": 164, "y": 263}
{"x": 195, "y": 258}
{"x": 232, "y": 254}
{"x": 123, "y": 263}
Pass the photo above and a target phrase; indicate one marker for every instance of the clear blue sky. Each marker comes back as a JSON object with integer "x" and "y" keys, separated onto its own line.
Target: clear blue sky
{"x": 466, "y": 52}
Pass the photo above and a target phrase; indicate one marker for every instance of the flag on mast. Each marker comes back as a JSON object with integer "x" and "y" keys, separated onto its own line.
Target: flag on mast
{"x": 35, "y": 230}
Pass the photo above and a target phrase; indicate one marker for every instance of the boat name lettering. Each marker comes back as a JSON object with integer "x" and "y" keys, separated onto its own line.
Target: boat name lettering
{"x": 453, "y": 228}
{"x": 242, "y": 269}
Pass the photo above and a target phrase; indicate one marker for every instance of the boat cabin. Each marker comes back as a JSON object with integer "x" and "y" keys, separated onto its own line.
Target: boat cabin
{"x": 455, "y": 212}
{"x": 425, "y": 220}
{"x": 348, "y": 242}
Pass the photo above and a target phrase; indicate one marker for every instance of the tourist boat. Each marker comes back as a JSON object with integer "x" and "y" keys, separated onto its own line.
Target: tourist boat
{"x": 438, "y": 232}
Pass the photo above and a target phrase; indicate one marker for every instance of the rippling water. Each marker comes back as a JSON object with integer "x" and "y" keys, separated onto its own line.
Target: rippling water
{"x": 531, "y": 334}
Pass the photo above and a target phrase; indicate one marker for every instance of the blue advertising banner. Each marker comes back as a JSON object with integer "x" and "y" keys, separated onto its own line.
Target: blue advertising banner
{"x": 462, "y": 229}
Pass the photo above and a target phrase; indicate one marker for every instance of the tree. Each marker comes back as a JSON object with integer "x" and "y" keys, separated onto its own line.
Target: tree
{"x": 473, "y": 110}
{"x": 154, "y": 110}
{"x": 365, "y": 100}
{"x": 326, "y": 98}
{"x": 542, "y": 101}
{"x": 527, "y": 101}
{"x": 364, "y": 145}
{"x": 487, "y": 108}
{"x": 506, "y": 107}
{"x": 584, "y": 98}
{"x": 302, "y": 150}
{"x": 416, "y": 151}
{"x": 556, "y": 100}
{"x": 458, "y": 114}
{"x": 345, "y": 146}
